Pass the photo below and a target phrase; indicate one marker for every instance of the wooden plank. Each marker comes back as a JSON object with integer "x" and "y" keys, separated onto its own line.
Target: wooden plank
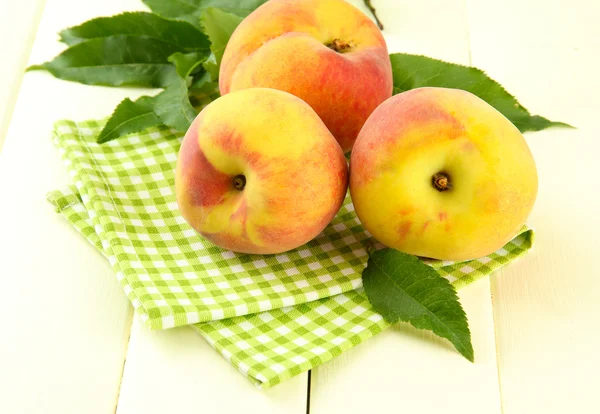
{"x": 546, "y": 306}
{"x": 176, "y": 371}
{"x": 413, "y": 371}
{"x": 437, "y": 28}
{"x": 71, "y": 323}
{"x": 402, "y": 369}
{"x": 65, "y": 319}
{"x": 18, "y": 24}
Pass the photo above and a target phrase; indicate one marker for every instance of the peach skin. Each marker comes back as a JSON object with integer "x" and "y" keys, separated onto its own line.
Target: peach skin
{"x": 440, "y": 173}
{"x": 326, "y": 52}
{"x": 258, "y": 172}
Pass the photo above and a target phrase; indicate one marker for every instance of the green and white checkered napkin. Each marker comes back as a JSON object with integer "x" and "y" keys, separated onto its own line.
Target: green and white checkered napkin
{"x": 272, "y": 317}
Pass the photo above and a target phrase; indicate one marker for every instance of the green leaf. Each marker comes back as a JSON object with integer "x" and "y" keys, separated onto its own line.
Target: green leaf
{"x": 413, "y": 71}
{"x": 219, "y": 26}
{"x": 203, "y": 90}
{"x": 401, "y": 287}
{"x": 129, "y": 117}
{"x": 211, "y": 66}
{"x": 203, "y": 83}
{"x": 183, "y": 35}
{"x": 191, "y": 10}
{"x": 173, "y": 106}
{"x": 115, "y": 61}
{"x": 187, "y": 63}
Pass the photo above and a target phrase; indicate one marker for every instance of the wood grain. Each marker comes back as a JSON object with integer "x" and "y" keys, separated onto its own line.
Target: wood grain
{"x": 176, "y": 371}
{"x": 66, "y": 321}
{"x": 405, "y": 370}
{"x": 18, "y": 25}
{"x": 67, "y": 324}
{"x": 546, "y": 306}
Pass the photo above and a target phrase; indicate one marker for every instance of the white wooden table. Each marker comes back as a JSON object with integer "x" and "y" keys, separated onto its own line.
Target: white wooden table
{"x": 535, "y": 324}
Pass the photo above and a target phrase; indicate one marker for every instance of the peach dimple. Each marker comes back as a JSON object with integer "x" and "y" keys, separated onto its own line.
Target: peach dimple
{"x": 326, "y": 52}
{"x": 258, "y": 172}
{"x": 205, "y": 184}
{"x": 461, "y": 165}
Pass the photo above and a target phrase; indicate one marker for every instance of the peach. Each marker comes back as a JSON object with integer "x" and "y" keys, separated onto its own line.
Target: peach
{"x": 326, "y": 52}
{"x": 440, "y": 173}
{"x": 258, "y": 172}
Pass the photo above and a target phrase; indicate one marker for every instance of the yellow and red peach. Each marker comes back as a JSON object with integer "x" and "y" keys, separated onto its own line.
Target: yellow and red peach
{"x": 440, "y": 173}
{"x": 258, "y": 172}
{"x": 326, "y": 52}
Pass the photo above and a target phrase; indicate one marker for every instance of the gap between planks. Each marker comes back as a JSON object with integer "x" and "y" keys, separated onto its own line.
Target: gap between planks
{"x": 470, "y": 57}
{"x": 130, "y": 322}
{"x": 11, "y": 100}
{"x": 308, "y": 391}
{"x": 3, "y": 128}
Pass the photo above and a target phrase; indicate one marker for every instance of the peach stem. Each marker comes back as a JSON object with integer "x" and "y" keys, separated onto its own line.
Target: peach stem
{"x": 239, "y": 182}
{"x": 339, "y": 46}
{"x": 441, "y": 181}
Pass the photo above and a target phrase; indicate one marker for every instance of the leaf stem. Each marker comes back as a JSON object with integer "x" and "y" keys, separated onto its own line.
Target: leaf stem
{"x": 370, "y": 249}
{"x": 373, "y": 12}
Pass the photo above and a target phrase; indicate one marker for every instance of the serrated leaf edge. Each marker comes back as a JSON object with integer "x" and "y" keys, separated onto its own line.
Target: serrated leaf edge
{"x": 484, "y": 73}
{"x": 468, "y": 348}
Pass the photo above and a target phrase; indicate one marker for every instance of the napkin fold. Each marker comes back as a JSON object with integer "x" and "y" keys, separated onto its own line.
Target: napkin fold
{"x": 272, "y": 317}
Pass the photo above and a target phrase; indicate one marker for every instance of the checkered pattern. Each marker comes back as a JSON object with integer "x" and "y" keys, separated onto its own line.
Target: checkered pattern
{"x": 273, "y": 346}
{"x": 171, "y": 274}
{"x": 270, "y": 346}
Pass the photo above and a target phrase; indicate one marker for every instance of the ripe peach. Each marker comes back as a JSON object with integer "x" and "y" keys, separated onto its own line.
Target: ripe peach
{"x": 440, "y": 173}
{"x": 326, "y": 52}
{"x": 258, "y": 172}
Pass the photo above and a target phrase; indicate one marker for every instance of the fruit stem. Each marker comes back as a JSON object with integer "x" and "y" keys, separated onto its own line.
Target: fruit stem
{"x": 372, "y": 10}
{"x": 239, "y": 182}
{"x": 340, "y": 46}
{"x": 441, "y": 181}
{"x": 370, "y": 249}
